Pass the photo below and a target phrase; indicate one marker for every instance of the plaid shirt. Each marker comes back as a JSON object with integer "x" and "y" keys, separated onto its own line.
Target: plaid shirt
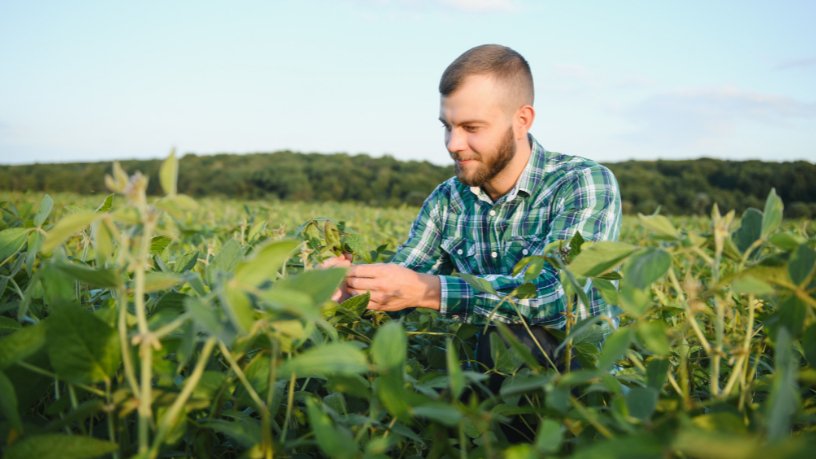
{"x": 460, "y": 229}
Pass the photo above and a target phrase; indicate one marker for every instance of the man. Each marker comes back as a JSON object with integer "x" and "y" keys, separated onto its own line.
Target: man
{"x": 509, "y": 199}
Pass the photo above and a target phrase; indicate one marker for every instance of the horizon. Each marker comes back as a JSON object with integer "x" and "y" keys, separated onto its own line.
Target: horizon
{"x": 104, "y": 81}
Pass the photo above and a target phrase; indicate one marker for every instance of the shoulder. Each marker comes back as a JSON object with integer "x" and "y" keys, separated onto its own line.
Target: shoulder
{"x": 572, "y": 170}
{"x": 448, "y": 195}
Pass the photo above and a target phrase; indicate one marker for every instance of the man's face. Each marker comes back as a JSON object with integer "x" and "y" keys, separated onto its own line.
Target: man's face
{"x": 478, "y": 130}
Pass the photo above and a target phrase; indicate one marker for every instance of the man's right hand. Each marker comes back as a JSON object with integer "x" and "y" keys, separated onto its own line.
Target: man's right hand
{"x": 340, "y": 261}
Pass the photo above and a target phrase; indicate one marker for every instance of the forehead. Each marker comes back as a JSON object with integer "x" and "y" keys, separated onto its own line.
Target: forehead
{"x": 479, "y": 97}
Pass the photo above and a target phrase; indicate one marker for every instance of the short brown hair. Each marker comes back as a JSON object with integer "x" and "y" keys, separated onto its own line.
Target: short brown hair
{"x": 502, "y": 62}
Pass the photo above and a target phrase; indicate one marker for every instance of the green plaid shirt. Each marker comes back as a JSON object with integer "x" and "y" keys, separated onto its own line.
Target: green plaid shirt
{"x": 460, "y": 229}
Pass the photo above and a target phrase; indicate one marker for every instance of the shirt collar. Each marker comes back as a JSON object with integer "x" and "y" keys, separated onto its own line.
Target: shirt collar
{"x": 528, "y": 179}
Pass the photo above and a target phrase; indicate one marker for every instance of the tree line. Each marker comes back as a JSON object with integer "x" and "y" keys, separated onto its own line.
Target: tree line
{"x": 677, "y": 187}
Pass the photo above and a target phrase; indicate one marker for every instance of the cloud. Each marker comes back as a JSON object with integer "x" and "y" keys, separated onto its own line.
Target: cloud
{"x": 482, "y": 5}
{"x": 699, "y": 118}
{"x": 797, "y": 63}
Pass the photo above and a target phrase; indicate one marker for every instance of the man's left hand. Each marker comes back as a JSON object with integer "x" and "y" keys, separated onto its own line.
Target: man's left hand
{"x": 393, "y": 287}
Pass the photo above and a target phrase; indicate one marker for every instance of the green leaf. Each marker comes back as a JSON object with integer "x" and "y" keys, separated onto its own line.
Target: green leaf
{"x": 660, "y": 225}
{"x": 750, "y": 229}
{"x": 652, "y": 335}
{"x": 168, "y": 174}
{"x": 66, "y": 228}
{"x": 225, "y": 260}
{"x": 639, "y": 446}
{"x": 106, "y": 205}
{"x": 801, "y": 263}
{"x": 694, "y": 442}
{"x": 46, "y": 204}
{"x": 641, "y": 402}
{"x": 657, "y": 372}
{"x": 59, "y": 446}
{"x": 456, "y": 380}
{"x": 263, "y": 265}
{"x": 8, "y": 403}
{"x": 157, "y": 281}
{"x": 645, "y": 267}
{"x": 357, "y": 303}
{"x": 247, "y": 431}
{"x": 614, "y": 348}
{"x": 478, "y": 283}
{"x": 783, "y": 401}
{"x": 238, "y": 308}
{"x": 318, "y": 284}
{"x": 206, "y": 317}
{"x": 21, "y": 344}
{"x": 11, "y": 241}
{"x": 439, "y": 412}
{"x": 809, "y": 344}
{"x": 549, "y": 437}
{"x": 158, "y": 244}
{"x": 390, "y": 390}
{"x": 82, "y": 348}
{"x": 524, "y": 384}
{"x": 326, "y": 359}
{"x": 600, "y": 257}
{"x": 787, "y": 241}
{"x": 389, "y": 347}
{"x": 333, "y": 441}
{"x": 634, "y": 302}
{"x": 95, "y": 277}
{"x": 747, "y": 284}
{"x": 772, "y": 216}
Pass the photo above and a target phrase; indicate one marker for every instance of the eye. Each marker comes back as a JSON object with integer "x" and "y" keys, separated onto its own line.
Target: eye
{"x": 471, "y": 129}
{"x": 445, "y": 126}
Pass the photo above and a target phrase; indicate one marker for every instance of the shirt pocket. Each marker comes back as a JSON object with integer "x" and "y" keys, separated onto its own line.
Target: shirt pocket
{"x": 518, "y": 247}
{"x": 462, "y": 254}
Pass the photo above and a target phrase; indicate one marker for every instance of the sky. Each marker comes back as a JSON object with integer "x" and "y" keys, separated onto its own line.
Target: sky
{"x": 615, "y": 80}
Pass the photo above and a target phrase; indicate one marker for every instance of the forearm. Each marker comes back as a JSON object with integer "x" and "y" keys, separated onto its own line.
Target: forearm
{"x": 461, "y": 301}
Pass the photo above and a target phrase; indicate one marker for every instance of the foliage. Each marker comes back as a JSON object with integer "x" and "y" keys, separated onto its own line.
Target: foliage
{"x": 687, "y": 187}
{"x": 164, "y": 327}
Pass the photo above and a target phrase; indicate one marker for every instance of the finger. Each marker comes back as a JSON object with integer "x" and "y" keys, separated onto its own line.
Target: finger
{"x": 372, "y": 270}
{"x": 335, "y": 262}
{"x": 362, "y": 283}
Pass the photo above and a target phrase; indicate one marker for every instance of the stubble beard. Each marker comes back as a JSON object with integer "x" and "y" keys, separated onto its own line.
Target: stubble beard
{"x": 490, "y": 168}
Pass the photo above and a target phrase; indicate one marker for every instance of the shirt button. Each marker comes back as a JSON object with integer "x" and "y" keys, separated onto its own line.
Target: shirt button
{"x": 494, "y": 254}
{"x": 525, "y": 251}
{"x": 460, "y": 251}
{"x": 492, "y": 213}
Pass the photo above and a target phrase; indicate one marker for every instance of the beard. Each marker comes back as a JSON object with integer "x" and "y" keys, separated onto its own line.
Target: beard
{"x": 486, "y": 170}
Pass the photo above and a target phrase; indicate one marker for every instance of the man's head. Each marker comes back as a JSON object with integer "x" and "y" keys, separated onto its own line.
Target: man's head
{"x": 486, "y": 108}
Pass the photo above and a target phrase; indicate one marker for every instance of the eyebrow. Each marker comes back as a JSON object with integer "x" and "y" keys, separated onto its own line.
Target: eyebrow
{"x": 443, "y": 121}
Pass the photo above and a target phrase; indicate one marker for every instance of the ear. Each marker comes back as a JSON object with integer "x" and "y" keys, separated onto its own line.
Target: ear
{"x": 523, "y": 121}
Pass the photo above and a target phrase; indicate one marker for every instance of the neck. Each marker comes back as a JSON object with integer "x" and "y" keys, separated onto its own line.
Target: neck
{"x": 505, "y": 180}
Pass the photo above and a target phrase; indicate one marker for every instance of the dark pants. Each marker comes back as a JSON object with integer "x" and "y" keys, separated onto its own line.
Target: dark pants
{"x": 518, "y": 431}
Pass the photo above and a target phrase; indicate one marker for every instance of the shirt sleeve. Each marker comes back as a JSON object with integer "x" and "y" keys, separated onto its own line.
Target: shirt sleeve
{"x": 422, "y": 250}
{"x": 587, "y": 202}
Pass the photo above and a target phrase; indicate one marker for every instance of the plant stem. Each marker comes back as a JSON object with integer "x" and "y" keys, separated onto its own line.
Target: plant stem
{"x": 290, "y": 401}
{"x": 266, "y": 440}
{"x": 173, "y": 412}
{"x": 146, "y": 338}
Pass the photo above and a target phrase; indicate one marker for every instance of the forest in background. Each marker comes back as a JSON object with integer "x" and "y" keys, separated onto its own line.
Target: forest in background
{"x": 677, "y": 187}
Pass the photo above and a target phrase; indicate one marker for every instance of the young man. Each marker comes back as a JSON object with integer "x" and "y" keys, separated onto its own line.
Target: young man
{"x": 509, "y": 199}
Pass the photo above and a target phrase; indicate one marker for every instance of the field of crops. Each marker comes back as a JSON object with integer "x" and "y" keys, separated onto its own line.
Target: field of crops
{"x": 165, "y": 327}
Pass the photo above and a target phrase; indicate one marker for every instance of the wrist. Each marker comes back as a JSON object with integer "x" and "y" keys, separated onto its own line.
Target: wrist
{"x": 431, "y": 293}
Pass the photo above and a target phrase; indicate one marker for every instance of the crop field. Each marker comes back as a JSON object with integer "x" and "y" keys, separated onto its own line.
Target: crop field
{"x": 136, "y": 326}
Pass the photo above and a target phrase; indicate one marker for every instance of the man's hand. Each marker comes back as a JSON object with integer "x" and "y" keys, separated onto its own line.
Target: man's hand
{"x": 394, "y": 287}
{"x": 340, "y": 261}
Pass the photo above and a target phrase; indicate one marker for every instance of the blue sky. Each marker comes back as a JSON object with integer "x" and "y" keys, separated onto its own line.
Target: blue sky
{"x": 104, "y": 80}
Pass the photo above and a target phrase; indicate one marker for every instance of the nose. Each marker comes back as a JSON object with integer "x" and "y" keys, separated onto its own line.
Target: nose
{"x": 455, "y": 141}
